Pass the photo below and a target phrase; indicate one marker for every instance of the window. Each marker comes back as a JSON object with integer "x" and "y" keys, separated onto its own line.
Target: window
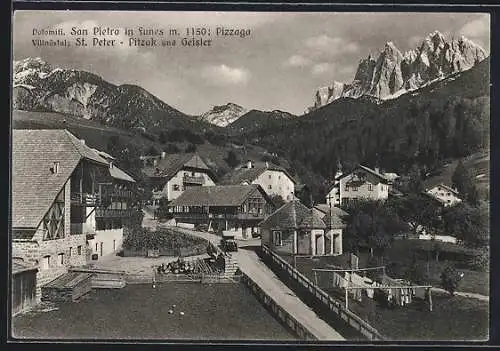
{"x": 70, "y": 251}
{"x": 269, "y": 176}
{"x": 193, "y": 174}
{"x": 270, "y": 186}
{"x": 279, "y": 177}
{"x": 354, "y": 188}
{"x": 60, "y": 259}
{"x": 277, "y": 238}
{"x": 96, "y": 247}
{"x": 79, "y": 249}
{"x": 370, "y": 187}
{"x": 45, "y": 262}
{"x": 448, "y": 194}
{"x": 176, "y": 187}
{"x": 347, "y": 187}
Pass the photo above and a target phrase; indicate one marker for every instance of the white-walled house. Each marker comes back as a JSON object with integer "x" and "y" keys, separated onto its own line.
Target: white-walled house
{"x": 294, "y": 229}
{"x": 169, "y": 175}
{"x": 273, "y": 179}
{"x": 444, "y": 194}
{"x": 361, "y": 183}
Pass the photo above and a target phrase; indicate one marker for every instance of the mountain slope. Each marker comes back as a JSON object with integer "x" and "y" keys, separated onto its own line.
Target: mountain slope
{"x": 223, "y": 115}
{"x": 393, "y": 73}
{"x": 445, "y": 119}
{"x": 39, "y": 87}
{"x": 256, "y": 119}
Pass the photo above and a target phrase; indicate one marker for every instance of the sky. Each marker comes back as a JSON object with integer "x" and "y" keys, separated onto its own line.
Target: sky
{"x": 286, "y": 57}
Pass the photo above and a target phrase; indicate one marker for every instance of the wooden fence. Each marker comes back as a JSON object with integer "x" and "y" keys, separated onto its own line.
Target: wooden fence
{"x": 334, "y": 308}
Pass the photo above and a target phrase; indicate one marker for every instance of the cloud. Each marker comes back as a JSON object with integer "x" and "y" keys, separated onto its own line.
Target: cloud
{"x": 476, "y": 28}
{"x": 297, "y": 61}
{"x": 333, "y": 46}
{"x": 225, "y": 75}
{"x": 322, "y": 68}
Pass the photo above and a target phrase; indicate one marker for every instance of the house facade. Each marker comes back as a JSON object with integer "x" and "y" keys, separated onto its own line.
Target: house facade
{"x": 361, "y": 183}
{"x": 230, "y": 209}
{"x": 294, "y": 229}
{"x": 56, "y": 180}
{"x": 445, "y": 195}
{"x": 169, "y": 175}
{"x": 273, "y": 179}
{"x": 106, "y": 223}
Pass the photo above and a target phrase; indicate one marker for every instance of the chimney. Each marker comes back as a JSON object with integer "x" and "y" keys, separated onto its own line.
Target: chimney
{"x": 83, "y": 141}
{"x": 377, "y": 169}
{"x": 249, "y": 164}
{"x": 267, "y": 164}
{"x": 111, "y": 164}
{"x": 155, "y": 162}
{"x": 163, "y": 155}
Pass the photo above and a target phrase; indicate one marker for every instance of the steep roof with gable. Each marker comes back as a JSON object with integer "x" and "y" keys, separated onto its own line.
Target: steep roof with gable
{"x": 364, "y": 168}
{"x": 450, "y": 189}
{"x": 218, "y": 195}
{"x": 34, "y": 186}
{"x": 337, "y": 215}
{"x": 172, "y": 163}
{"x": 244, "y": 174}
{"x": 119, "y": 174}
{"x": 294, "y": 214}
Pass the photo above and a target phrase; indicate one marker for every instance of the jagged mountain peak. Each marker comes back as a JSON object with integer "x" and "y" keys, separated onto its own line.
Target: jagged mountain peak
{"x": 393, "y": 73}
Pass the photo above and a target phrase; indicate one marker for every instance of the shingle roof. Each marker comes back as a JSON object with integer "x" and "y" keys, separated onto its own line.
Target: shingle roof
{"x": 294, "y": 214}
{"x": 367, "y": 169}
{"x": 19, "y": 267}
{"x": 337, "y": 215}
{"x": 34, "y": 187}
{"x": 117, "y": 173}
{"x": 445, "y": 187}
{"x": 244, "y": 174}
{"x": 218, "y": 195}
{"x": 173, "y": 163}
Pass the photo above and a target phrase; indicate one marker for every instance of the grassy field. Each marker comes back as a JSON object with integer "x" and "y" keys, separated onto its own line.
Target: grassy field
{"x": 452, "y": 318}
{"x": 212, "y": 312}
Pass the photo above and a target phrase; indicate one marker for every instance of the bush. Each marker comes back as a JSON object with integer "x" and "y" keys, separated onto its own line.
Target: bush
{"x": 480, "y": 261}
{"x": 450, "y": 278}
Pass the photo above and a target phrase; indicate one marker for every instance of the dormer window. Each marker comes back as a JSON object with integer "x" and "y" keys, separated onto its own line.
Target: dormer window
{"x": 55, "y": 168}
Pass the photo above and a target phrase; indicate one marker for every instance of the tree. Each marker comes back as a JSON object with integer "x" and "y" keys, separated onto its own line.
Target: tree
{"x": 461, "y": 179}
{"x": 277, "y": 200}
{"x": 468, "y": 223}
{"x": 232, "y": 159}
{"x": 162, "y": 138}
{"x": 418, "y": 211}
{"x": 450, "y": 279}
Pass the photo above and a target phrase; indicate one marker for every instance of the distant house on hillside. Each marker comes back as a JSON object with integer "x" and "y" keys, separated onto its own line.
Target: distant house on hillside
{"x": 298, "y": 230}
{"x": 361, "y": 183}
{"x": 273, "y": 179}
{"x": 444, "y": 195}
{"x": 169, "y": 175}
{"x": 237, "y": 209}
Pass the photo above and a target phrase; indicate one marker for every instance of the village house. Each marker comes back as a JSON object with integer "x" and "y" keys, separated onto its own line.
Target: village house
{"x": 23, "y": 286}
{"x": 273, "y": 179}
{"x": 233, "y": 209}
{"x": 444, "y": 195}
{"x": 361, "y": 183}
{"x": 169, "y": 175}
{"x": 106, "y": 223}
{"x": 55, "y": 177}
{"x": 295, "y": 229}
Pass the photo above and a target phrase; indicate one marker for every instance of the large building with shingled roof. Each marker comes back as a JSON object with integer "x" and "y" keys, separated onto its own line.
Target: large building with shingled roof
{"x": 235, "y": 209}
{"x": 59, "y": 187}
{"x": 273, "y": 179}
{"x": 170, "y": 174}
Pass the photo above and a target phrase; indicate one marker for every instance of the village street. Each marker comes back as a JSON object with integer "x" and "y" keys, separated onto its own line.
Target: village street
{"x": 250, "y": 264}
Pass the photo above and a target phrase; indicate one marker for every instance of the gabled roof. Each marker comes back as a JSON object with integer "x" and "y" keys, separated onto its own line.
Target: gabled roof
{"x": 169, "y": 166}
{"x": 293, "y": 215}
{"x": 218, "y": 195}
{"x": 244, "y": 174}
{"x": 117, "y": 173}
{"x": 445, "y": 187}
{"x": 367, "y": 169}
{"x": 336, "y": 213}
{"x": 34, "y": 187}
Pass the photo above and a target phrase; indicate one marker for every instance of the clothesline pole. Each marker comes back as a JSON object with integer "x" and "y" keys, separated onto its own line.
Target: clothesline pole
{"x": 346, "y": 298}
{"x": 430, "y": 300}
{"x": 315, "y": 279}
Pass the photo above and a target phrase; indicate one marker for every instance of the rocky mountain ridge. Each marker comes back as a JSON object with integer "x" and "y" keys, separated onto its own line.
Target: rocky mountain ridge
{"x": 37, "y": 86}
{"x": 393, "y": 73}
{"x": 223, "y": 115}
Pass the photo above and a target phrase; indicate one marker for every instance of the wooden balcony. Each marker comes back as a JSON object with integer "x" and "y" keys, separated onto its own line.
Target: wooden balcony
{"x": 84, "y": 199}
{"x": 199, "y": 180}
{"x": 112, "y": 213}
